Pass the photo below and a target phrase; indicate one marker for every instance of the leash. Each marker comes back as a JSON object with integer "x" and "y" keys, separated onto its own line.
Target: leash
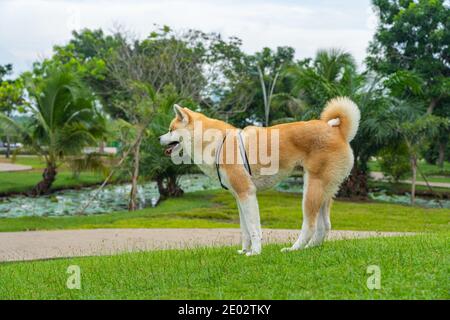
{"x": 243, "y": 155}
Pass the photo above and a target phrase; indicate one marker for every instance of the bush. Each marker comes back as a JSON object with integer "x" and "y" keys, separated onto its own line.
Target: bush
{"x": 394, "y": 161}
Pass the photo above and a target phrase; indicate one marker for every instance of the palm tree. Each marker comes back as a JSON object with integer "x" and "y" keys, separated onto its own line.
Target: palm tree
{"x": 64, "y": 121}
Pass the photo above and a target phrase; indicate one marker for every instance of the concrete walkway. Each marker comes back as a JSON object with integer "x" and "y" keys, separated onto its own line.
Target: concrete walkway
{"x": 34, "y": 245}
{"x": 9, "y": 167}
{"x": 380, "y": 176}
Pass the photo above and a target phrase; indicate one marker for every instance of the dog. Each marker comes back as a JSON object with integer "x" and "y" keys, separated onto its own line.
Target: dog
{"x": 321, "y": 147}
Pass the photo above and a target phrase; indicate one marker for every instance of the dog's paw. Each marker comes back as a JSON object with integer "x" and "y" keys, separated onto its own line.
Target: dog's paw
{"x": 289, "y": 249}
{"x": 241, "y": 252}
{"x": 252, "y": 253}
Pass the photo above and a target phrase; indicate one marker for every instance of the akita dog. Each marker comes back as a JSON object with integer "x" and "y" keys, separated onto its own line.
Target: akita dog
{"x": 321, "y": 147}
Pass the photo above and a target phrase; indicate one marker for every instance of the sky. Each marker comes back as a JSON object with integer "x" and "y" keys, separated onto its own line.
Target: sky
{"x": 30, "y": 28}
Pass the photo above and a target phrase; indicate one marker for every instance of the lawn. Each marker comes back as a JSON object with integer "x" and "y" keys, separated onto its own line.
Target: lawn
{"x": 411, "y": 268}
{"x": 33, "y": 161}
{"x": 23, "y": 181}
{"x": 17, "y": 182}
{"x": 402, "y": 188}
{"x": 212, "y": 209}
{"x": 432, "y": 172}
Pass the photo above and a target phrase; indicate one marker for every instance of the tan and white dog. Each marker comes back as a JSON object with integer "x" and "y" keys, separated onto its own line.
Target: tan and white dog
{"x": 321, "y": 147}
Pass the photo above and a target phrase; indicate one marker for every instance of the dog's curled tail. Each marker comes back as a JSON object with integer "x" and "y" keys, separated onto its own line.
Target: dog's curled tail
{"x": 343, "y": 113}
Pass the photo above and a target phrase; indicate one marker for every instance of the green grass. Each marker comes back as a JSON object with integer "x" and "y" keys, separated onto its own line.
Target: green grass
{"x": 210, "y": 209}
{"x": 411, "y": 268}
{"x": 23, "y": 181}
{"x": 432, "y": 172}
{"x": 401, "y": 188}
{"x": 16, "y": 182}
{"x": 34, "y": 161}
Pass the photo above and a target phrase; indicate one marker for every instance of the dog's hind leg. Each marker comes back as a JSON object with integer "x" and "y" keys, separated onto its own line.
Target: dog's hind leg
{"x": 323, "y": 225}
{"x": 312, "y": 201}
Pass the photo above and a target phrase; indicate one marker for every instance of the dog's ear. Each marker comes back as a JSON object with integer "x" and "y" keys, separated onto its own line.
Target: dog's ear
{"x": 181, "y": 113}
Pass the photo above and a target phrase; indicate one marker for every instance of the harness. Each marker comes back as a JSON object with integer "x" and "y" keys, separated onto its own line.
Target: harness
{"x": 243, "y": 155}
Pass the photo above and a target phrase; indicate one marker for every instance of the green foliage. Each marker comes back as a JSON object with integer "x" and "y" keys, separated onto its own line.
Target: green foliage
{"x": 92, "y": 162}
{"x": 410, "y": 48}
{"x": 5, "y": 70}
{"x": 332, "y": 73}
{"x": 11, "y": 99}
{"x": 394, "y": 161}
{"x": 11, "y": 96}
{"x": 418, "y": 133}
{"x": 413, "y": 36}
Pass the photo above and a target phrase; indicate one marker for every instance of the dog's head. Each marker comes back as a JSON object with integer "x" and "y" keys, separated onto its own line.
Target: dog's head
{"x": 181, "y": 128}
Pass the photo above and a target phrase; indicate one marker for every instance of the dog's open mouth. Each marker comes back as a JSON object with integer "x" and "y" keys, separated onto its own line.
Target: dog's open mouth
{"x": 171, "y": 147}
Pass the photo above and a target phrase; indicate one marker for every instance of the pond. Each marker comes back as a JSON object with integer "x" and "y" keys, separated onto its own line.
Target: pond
{"x": 115, "y": 198}
{"x": 111, "y": 198}
{"x": 296, "y": 185}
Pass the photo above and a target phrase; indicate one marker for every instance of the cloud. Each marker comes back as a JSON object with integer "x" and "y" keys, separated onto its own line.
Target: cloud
{"x": 29, "y": 29}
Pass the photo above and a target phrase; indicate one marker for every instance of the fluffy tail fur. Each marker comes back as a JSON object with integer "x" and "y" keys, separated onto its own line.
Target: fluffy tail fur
{"x": 343, "y": 113}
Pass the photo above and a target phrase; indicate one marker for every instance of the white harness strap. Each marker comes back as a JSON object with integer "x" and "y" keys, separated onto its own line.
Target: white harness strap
{"x": 241, "y": 151}
{"x": 244, "y": 153}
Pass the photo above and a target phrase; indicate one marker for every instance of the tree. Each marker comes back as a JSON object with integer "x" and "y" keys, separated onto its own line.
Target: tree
{"x": 5, "y": 70}
{"x": 11, "y": 97}
{"x": 139, "y": 111}
{"x": 416, "y": 134}
{"x": 269, "y": 66}
{"x": 414, "y": 36}
{"x": 261, "y": 77}
{"x": 64, "y": 120}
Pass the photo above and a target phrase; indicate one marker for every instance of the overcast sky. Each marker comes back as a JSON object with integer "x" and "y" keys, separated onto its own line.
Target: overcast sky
{"x": 29, "y": 28}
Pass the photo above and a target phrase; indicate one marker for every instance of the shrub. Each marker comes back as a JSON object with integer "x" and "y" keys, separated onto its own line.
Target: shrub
{"x": 394, "y": 161}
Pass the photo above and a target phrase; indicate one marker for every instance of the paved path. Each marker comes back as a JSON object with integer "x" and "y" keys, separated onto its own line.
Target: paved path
{"x": 9, "y": 167}
{"x": 380, "y": 176}
{"x": 33, "y": 245}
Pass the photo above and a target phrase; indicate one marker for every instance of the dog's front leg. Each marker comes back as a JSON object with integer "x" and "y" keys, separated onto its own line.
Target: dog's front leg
{"x": 245, "y": 234}
{"x": 250, "y": 213}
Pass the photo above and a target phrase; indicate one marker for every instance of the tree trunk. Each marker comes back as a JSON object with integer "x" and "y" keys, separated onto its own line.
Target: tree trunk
{"x": 101, "y": 149}
{"x": 161, "y": 189}
{"x": 413, "y": 180}
{"x": 133, "y": 205}
{"x": 355, "y": 185}
{"x": 441, "y": 157}
{"x": 48, "y": 177}
{"x": 174, "y": 188}
{"x": 171, "y": 189}
{"x": 432, "y": 105}
{"x": 8, "y": 147}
